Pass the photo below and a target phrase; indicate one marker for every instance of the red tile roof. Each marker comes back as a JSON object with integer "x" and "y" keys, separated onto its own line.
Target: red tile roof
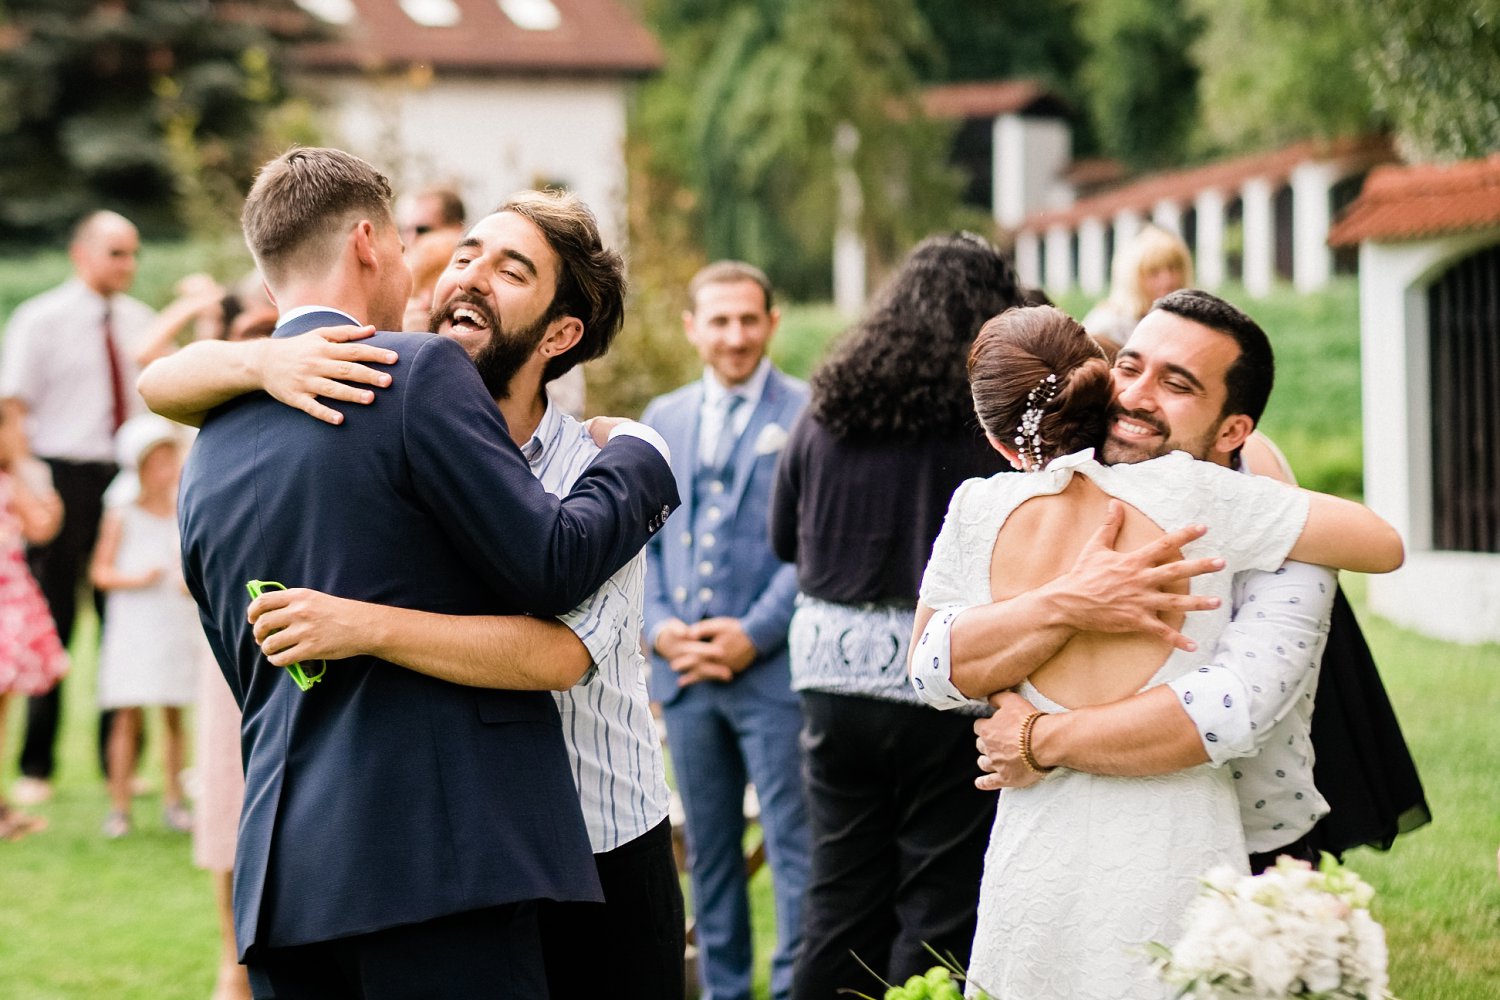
{"x": 990, "y": 99}
{"x": 594, "y": 37}
{"x": 1408, "y": 203}
{"x": 1182, "y": 186}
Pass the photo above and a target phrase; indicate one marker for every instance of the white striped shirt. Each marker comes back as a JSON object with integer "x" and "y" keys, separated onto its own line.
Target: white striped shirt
{"x": 612, "y": 739}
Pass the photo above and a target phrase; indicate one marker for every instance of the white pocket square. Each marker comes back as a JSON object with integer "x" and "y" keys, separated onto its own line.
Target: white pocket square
{"x": 770, "y": 439}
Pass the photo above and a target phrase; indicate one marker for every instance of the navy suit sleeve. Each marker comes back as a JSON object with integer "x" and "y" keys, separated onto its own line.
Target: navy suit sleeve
{"x": 537, "y": 553}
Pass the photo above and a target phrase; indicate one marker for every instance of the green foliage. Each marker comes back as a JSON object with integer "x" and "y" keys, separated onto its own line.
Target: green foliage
{"x": 1275, "y": 71}
{"x": 745, "y": 116}
{"x": 1434, "y": 70}
{"x": 985, "y": 40}
{"x": 1140, "y": 78}
{"x": 153, "y": 108}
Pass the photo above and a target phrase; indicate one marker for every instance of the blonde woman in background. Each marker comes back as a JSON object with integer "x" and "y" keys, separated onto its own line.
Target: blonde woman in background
{"x": 1153, "y": 264}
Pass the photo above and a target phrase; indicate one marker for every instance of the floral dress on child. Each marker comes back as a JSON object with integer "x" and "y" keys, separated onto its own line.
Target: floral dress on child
{"x": 31, "y": 657}
{"x": 1083, "y": 870}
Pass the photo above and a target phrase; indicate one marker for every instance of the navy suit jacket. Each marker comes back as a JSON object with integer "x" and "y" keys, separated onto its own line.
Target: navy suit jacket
{"x": 748, "y": 581}
{"x": 383, "y": 797}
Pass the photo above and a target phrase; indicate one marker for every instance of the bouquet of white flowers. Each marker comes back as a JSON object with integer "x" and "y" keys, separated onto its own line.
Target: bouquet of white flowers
{"x": 1290, "y": 932}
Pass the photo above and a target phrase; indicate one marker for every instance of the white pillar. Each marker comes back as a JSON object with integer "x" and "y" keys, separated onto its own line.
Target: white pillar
{"x": 1093, "y": 267}
{"x": 1127, "y": 227}
{"x": 1209, "y": 249}
{"x": 1259, "y": 218}
{"x": 848, "y": 244}
{"x": 1029, "y": 259}
{"x": 1312, "y": 214}
{"x": 1167, "y": 215}
{"x": 1059, "y": 260}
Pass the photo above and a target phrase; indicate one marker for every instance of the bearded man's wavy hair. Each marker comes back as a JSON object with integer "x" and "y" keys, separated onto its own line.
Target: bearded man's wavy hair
{"x": 900, "y": 372}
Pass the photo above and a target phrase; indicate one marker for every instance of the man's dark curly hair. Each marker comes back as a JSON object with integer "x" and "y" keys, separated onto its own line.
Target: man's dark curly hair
{"x": 900, "y": 371}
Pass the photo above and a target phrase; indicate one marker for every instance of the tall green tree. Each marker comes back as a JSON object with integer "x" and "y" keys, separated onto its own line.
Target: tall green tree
{"x": 746, "y": 116}
{"x": 1275, "y": 71}
{"x": 1140, "y": 78}
{"x": 1434, "y": 71}
{"x": 151, "y": 107}
{"x": 986, "y": 40}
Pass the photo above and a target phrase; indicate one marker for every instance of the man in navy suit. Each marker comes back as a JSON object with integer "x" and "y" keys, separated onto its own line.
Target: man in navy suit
{"x": 718, "y": 604}
{"x": 397, "y": 829}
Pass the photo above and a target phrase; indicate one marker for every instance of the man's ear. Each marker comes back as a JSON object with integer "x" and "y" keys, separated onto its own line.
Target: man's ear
{"x": 563, "y": 334}
{"x": 1233, "y": 431}
{"x": 362, "y": 239}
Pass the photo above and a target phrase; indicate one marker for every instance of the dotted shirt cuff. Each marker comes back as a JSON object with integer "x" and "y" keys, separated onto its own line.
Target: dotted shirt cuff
{"x": 1219, "y": 710}
{"x": 932, "y": 665}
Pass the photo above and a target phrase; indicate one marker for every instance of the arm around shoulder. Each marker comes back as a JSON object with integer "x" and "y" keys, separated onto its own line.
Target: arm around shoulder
{"x": 1347, "y": 535}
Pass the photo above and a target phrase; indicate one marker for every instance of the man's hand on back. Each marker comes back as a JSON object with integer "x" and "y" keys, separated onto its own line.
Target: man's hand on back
{"x": 1113, "y": 591}
{"x": 298, "y": 370}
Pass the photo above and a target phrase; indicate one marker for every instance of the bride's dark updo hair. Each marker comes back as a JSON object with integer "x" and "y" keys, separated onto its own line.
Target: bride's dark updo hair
{"x": 1013, "y": 355}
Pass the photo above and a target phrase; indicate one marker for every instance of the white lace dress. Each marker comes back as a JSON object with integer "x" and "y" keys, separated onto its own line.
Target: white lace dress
{"x": 1083, "y": 870}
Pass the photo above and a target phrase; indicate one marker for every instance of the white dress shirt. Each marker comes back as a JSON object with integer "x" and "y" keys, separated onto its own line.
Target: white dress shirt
{"x": 54, "y": 362}
{"x": 612, "y": 740}
{"x": 715, "y": 399}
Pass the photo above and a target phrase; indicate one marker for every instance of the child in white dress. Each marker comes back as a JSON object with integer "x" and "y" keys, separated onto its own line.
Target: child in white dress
{"x": 152, "y": 638}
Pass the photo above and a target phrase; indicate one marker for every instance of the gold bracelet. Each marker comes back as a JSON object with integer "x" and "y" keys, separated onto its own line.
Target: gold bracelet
{"x": 1024, "y": 741}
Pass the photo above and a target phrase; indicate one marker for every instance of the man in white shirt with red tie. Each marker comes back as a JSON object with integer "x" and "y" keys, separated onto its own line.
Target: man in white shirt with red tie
{"x": 68, "y": 374}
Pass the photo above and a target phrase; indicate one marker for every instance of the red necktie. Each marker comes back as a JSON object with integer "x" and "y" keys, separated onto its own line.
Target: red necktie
{"x": 116, "y": 371}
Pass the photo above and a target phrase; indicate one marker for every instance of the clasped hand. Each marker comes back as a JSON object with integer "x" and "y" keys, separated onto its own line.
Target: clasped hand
{"x": 714, "y": 649}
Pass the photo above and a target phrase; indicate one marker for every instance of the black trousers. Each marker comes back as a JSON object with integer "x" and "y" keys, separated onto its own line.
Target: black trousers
{"x": 478, "y": 955}
{"x": 630, "y": 947}
{"x": 899, "y": 835}
{"x": 60, "y": 567}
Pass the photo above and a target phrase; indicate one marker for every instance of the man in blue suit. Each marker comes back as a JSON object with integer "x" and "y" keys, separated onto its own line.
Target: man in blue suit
{"x": 718, "y": 604}
{"x": 397, "y": 829}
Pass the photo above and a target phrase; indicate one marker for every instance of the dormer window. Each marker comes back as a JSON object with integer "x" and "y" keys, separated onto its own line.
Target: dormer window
{"x": 532, "y": 15}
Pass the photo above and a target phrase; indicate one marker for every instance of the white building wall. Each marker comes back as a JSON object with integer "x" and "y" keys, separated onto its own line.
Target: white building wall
{"x": 1093, "y": 267}
{"x": 1210, "y": 265}
{"x": 1128, "y": 224}
{"x": 1167, "y": 214}
{"x": 1259, "y": 222}
{"x": 1312, "y": 214}
{"x": 489, "y": 136}
{"x": 1031, "y": 154}
{"x": 1029, "y": 259}
{"x": 1059, "y": 263}
{"x": 1452, "y": 595}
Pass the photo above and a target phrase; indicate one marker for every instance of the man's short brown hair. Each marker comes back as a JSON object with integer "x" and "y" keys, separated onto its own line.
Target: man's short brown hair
{"x": 305, "y": 200}
{"x": 724, "y": 272}
{"x": 590, "y": 276}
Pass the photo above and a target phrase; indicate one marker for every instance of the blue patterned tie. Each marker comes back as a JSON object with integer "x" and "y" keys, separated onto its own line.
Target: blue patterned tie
{"x": 727, "y": 436}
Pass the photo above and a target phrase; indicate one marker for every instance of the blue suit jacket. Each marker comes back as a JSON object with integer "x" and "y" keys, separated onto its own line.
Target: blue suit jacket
{"x": 381, "y": 796}
{"x": 748, "y": 581}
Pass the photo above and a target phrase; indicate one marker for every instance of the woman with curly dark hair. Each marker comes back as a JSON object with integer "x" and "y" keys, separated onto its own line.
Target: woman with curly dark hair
{"x": 898, "y": 828}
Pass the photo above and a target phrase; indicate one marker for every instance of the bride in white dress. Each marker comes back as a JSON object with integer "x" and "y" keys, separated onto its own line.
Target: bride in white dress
{"x": 1082, "y": 870}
